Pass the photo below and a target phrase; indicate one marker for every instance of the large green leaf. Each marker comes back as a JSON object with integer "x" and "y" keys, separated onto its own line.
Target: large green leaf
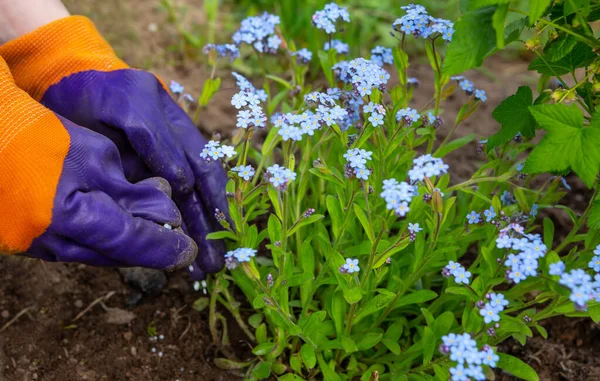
{"x": 581, "y": 55}
{"x": 557, "y": 49}
{"x": 568, "y": 143}
{"x": 473, "y": 40}
{"x": 537, "y": 8}
{"x": 514, "y": 116}
{"x": 594, "y": 218}
{"x": 516, "y": 367}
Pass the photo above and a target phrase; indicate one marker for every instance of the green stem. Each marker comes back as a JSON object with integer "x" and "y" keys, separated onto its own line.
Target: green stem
{"x": 579, "y": 222}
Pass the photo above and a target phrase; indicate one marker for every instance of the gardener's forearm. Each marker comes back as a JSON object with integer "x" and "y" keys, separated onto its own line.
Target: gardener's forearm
{"x": 18, "y": 17}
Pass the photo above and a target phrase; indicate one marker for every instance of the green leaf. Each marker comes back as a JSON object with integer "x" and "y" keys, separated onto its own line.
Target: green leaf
{"x": 200, "y": 304}
{"x": 280, "y": 81}
{"x": 473, "y": 40}
{"x": 512, "y": 32}
{"x": 593, "y": 221}
{"x": 375, "y": 304}
{"x": 335, "y": 211}
{"x": 307, "y": 352}
{"x": 582, "y": 55}
{"x": 474, "y": 4}
{"x": 428, "y": 345}
{"x": 349, "y": 344}
{"x": 549, "y": 231}
{"x": 353, "y": 294}
{"x": 274, "y": 197}
{"x": 326, "y": 65}
{"x": 458, "y": 290}
{"x": 537, "y": 8}
{"x": 516, "y": 367}
{"x": 498, "y": 21}
{"x": 419, "y": 296}
{"x": 328, "y": 373}
{"x": 454, "y": 145}
{"x": 557, "y": 49}
{"x": 262, "y": 370}
{"x": 290, "y": 377}
{"x": 568, "y": 144}
{"x": 263, "y": 348}
{"x": 594, "y": 312}
{"x": 514, "y": 116}
{"x": 226, "y": 364}
{"x": 362, "y": 217}
{"x": 580, "y": 6}
{"x": 368, "y": 341}
{"x": 222, "y": 235}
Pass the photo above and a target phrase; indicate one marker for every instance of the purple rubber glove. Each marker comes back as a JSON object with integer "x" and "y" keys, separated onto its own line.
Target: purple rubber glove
{"x": 155, "y": 137}
{"x": 101, "y": 219}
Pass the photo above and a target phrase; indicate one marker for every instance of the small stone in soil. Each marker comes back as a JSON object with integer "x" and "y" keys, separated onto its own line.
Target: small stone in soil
{"x": 148, "y": 281}
{"x": 5, "y": 314}
{"x": 78, "y": 303}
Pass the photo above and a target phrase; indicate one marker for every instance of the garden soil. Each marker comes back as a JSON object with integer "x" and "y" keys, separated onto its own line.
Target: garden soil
{"x": 70, "y": 322}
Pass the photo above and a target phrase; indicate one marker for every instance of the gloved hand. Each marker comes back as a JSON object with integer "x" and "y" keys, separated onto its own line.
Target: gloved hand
{"x": 74, "y": 72}
{"x": 64, "y": 197}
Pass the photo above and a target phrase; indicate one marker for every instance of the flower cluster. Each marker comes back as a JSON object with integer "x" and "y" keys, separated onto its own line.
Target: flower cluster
{"x": 303, "y": 56}
{"x": 432, "y": 120}
{"x": 381, "y": 56}
{"x": 469, "y": 88}
{"x": 473, "y": 218}
{"x": 244, "y": 85}
{"x": 229, "y": 51}
{"x": 528, "y": 247}
{"x": 493, "y": 307}
{"x": 363, "y": 74}
{"x": 251, "y": 114}
{"x": 326, "y": 18}
{"x": 235, "y": 257}
{"x": 279, "y": 177}
{"x": 177, "y": 88}
{"x": 259, "y": 31}
{"x": 507, "y": 198}
{"x": 583, "y": 289}
{"x": 457, "y": 271}
{"x": 420, "y": 24}
{"x": 398, "y": 196}
{"x": 246, "y": 172}
{"x": 339, "y": 46}
{"x": 377, "y": 112}
{"x": 463, "y": 350}
{"x": 408, "y": 116}
{"x": 356, "y": 159}
{"x": 213, "y": 150}
{"x": 426, "y": 166}
{"x": 295, "y": 126}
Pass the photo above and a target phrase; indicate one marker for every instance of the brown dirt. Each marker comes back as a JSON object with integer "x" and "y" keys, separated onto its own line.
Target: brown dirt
{"x": 45, "y": 344}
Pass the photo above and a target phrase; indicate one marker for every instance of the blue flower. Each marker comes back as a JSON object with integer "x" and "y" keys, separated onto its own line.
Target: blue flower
{"x": 364, "y": 75}
{"x": 381, "y": 56}
{"x": 242, "y": 254}
{"x": 507, "y": 198}
{"x": 214, "y": 151}
{"x": 279, "y": 177}
{"x": 534, "y": 210}
{"x": 557, "y": 268}
{"x": 462, "y": 276}
{"x": 239, "y": 100}
{"x": 414, "y": 228}
{"x": 480, "y": 95}
{"x": 407, "y": 115}
{"x": 351, "y": 266}
{"x": 259, "y": 31}
{"x": 426, "y": 166}
{"x": 594, "y": 264}
{"x": 489, "y": 314}
{"x": 246, "y": 172}
{"x": 325, "y": 19}
{"x": 176, "y": 87}
{"x": 376, "y": 119}
{"x": 504, "y": 242}
{"x": 516, "y": 275}
{"x": 459, "y": 373}
{"x": 489, "y": 358}
{"x": 303, "y": 56}
{"x": 489, "y": 214}
{"x": 339, "y": 46}
{"x": 497, "y": 300}
{"x": 224, "y": 51}
{"x": 473, "y": 218}
{"x": 397, "y": 196}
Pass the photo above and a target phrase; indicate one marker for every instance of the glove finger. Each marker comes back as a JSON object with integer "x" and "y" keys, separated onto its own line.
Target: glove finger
{"x": 54, "y": 248}
{"x": 147, "y": 128}
{"x": 210, "y": 178}
{"x": 96, "y": 221}
{"x": 211, "y": 256}
{"x": 194, "y": 270}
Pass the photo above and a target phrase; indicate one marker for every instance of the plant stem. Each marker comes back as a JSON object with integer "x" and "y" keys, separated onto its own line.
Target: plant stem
{"x": 580, "y": 222}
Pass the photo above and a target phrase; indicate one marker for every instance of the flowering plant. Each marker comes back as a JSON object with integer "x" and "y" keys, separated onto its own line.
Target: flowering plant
{"x": 358, "y": 252}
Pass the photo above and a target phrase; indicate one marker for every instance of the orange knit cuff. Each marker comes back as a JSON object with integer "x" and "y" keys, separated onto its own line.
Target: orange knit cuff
{"x": 33, "y": 147}
{"x": 43, "y": 57}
